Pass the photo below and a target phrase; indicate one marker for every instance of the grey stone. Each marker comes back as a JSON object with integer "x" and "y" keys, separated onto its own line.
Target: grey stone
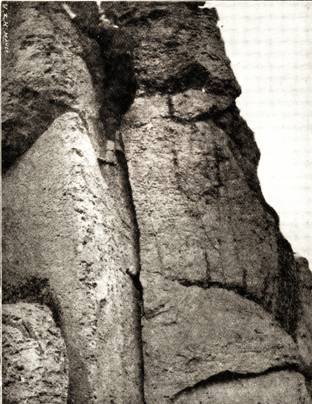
{"x": 192, "y": 104}
{"x": 282, "y": 387}
{"x": 167, "y": 220}
{"x": 45, "y": 75}
{"x": 304, "y": 328}
{"x": 35, "y": 366}
{"x": 66, "y": 226}
{"x": 191, "y": 334}
{"x": 200, "y": 220}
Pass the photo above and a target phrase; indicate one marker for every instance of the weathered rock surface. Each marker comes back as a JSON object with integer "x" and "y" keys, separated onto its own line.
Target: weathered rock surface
{"x": 278, "y": 387}
{"x": 200, "y": 223}
{"x": 192, "y": 168}
{"x": 202, "y": 218}
{"x": 196, "y": 333}
{"x": 35, "y": 368}
{"x": 66, "y": 227}
{"x": 46, "y": 74}
{"x": 304, "y": 329}
{"x": 168, "y": 222}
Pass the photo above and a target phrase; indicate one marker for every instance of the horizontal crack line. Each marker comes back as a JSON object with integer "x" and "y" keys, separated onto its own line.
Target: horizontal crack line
{"x": 229, "y": 376}
{"x": 239, "y": 290}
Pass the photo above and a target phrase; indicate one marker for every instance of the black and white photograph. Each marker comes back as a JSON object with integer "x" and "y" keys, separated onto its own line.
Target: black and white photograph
{"x": 156, "y": 202}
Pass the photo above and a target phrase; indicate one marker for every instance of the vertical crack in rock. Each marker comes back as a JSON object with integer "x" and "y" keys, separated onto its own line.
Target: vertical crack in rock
{"x": 119, "y": 89}
{"x": 135, "y": 277}
{"x": 119, "y": 93}
{"x": 246, "y": 154}
{"x": 183, "y": 163}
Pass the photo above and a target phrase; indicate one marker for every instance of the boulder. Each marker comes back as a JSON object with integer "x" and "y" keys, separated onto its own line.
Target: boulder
{"x": 35, "y": 364}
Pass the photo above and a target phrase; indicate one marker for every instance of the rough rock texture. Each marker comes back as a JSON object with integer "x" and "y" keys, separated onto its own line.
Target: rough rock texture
{"x": 153, "y": 245}
{"x": 196, "y": 333}
{"x": 77, "y": 225}
{"x": 34, "y": 356}
{"x": 194, "y": 177}
{"x": 45, "y": 74}
{"x": 304, "y": 329}
{"x": 276, "y": 387}
{"x": 202, "y": 218}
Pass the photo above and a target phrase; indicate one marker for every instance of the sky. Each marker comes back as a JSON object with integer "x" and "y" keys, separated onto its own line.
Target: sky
{"x": 269, "y": 45}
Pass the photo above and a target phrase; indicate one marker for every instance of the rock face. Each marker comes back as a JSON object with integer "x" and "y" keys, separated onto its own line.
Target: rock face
{"x": 77, "y": 228}
{"x": 282, "y": 387}
{"x": 197, "y": 333}
{"x": 34, "y": 356}
{"x": 45, "y": 75}
{"x": 154, "y": 248}
{"x": 304, "y": 328}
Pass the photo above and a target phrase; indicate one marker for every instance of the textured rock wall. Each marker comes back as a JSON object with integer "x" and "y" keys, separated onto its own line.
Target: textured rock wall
{"x": 157, "y": 255}
{"x": 34, "y": 356}
{"x": 70, "y": 228}
{"x": 304, "y": 328}
{"x": 76, "y": 236}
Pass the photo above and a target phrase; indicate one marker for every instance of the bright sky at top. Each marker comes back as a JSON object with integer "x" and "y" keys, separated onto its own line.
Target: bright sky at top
{"x": 269, "y": 45}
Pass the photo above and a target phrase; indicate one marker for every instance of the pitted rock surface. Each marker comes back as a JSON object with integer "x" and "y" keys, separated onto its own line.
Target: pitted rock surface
{"x": 278, "y": 387}
{"x": 35, "y": 366}
{"x": 304, "y": 329}
{"x": 77, "y": 220}
{"x": 149, "y": 238}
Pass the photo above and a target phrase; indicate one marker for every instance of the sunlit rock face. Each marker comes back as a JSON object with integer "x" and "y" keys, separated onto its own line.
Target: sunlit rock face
{"x": 76, "y": 239}
{"x": 149, "y": 251}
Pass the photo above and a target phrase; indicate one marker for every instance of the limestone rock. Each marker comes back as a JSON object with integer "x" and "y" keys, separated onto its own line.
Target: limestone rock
{"x": 35, "y": 368}
{"x": 202, "y": 217}
{"x": 75, "y": 222}
{"x": 282, "y": 387}
{"x": 45, "y": 76}
{"x": 194, "y": 334}
{"x": 304, "y": 329}
{"x": 193, "y": 104}
{"x": 162, "y": 262}
{"x": 178, "y": 47}
{"x": 200, "y": 221}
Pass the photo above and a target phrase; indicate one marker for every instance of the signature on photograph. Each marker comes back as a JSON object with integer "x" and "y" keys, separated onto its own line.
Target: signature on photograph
{"x": 5, "y": 28}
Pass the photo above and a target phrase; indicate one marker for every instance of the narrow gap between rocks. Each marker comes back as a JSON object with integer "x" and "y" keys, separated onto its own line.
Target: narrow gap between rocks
{"x": 118, "y": 92}
{"x": 135, "y": 277}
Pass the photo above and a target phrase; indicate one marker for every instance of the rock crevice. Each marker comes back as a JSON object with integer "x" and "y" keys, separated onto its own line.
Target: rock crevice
{"x": 133, "y": 211}
{"x": 134, "y": 275}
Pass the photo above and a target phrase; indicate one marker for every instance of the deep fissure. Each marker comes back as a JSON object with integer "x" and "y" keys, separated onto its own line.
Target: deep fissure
{"x": 119, "y": 89}
{"x": 135, "y": 278}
